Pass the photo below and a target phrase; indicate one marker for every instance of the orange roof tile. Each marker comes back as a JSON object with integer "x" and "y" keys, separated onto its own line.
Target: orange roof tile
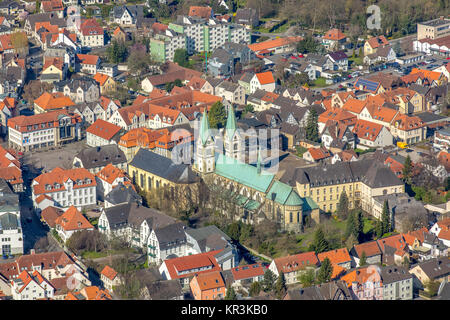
{"x": 101, "y": 78}
{"x": 88, "y": 59}
{"x": 361, "y": 275}
{"x": 334, "y": 34}
{"x": 336, "y": 256}
{"x": 103, "y": 129}
{"x": 54, "y": 100}
{"x": 109, "y": 272}
{"x": 370, "y": 248}
{"x": 296, "y": 262}
{"x": 367, "y": 130}
{"x": 110, "y": 173}
{"x": 377, "y": 41}
{"x": 272, "y": 44}
{"x": 192, "y": 262}
{"x": 198, "y": 11}
{"x": 72, "y": 219}
{"x": 54, "y": 180}
{"x": 354, "y": 105}
{"x": 406, "y": 123}
{"x": 319, "y": 153}
{"x": 210, "y": 280}
{"x": 265, "y": 77}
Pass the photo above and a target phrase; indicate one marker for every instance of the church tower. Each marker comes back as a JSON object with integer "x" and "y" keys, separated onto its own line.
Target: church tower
{"x": 232, "y": 138}
{"x": 205, "y": 152}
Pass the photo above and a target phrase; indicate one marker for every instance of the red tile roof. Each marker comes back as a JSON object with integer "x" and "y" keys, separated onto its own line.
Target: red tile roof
{"x": 248, "y": 271}
{"x": 73, "y": 220}
{"x": 273, "y": 44}
{"x": 367, "y": 130}
{"x": 319, "y": 153}
{"x": 334, "y": 34}
{"x": 54, "y": 100}
{"x": 48, "y": 119}
{"x": 370, "y": 248}
{"x": 103, "y": 129}
{"x": 265, "y": 77}
{"x": 296, "y": 262}
{"x": 198, "y": 11}
{"x": 56, "y": 178}
{"x": 89, "y": 59}
{"x": 336, "y": 256}
{"x": 377, "y": 41}
{"x": 109, "y": 272}
{"x": 110, "y": 173}
{"x": 50, "y": 214}
{"x": 210, "y": 280}
{"x": 195, "y": 261}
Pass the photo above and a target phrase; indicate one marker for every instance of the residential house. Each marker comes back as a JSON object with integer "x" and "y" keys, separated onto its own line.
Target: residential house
{"x": 208, "y": 286}
{"x": 31, "y": 286}
{"x": 54, "y": 69}
{"x": 442, "y": 230}
{"x": 340, "y": 60}
{"x": 102, "y": 133}
{"x": 409, "y": 129}
{"x": 394, "y": 249}
{"x": 334, "y": 290}
{"x": 70, "y": 222}
{"x": 293, "y": 266}
{"x": 11, "y": 236}
{"x": 334, "y": 40}
{"x": 340, "y": 260}
{"x": 437, "y": 269}
{"x": 372, "y": 44}
{"x": 88, "y": 63}
{"x": 372, "y": 135}
{"x": 263, "y": 81}
{"x": 91, "y": 34}
{"x": 365, "y": 283}
{"x": 280, "y": 45}
{"x": 89, "y": 293}
{"x": 128, "y": 16}
{"x": 317, "y": 154}
{"x": 200, "y": 12}
{"x": 185, "y": 268}
{"x": 247, "y": 274}
{"x": 247, "y": 16}
{"x": 109, "y": 178}
{"x": 232, "y": 92}
{"x": 166, "y": 242}
{"x": 383, "y": 54}
{"x": 110, "y": 278}
{"x": 370, "y": 250}
{"x": 122, "y": 194}
{"x": 344, "y": 156}
{"x": 79, "y": 90}
{"x": 107, "y": 83}
{"x": 48, "y": 102}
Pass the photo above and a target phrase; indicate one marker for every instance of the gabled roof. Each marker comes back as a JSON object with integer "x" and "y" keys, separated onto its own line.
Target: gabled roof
{"x": 370, "y": 248}
{"x": 336, "y": 256}
{"x": 296, "y": 262}
{"x": 377, "y": 41}
{"x": 103, "y": 129}
{"x": 72, "y": 220}
{"x": 109, "y": 272}
{"x": 101, "y": 78}
{"x": 199, "y": 11}
{"x": 248, "y": 271}
{"x": 181, "y": 267}
{"x": 210, "y": 280}
{"x": 319, "y": 153}
{"x": 265, "y": 77}
{"x": 88, "y": 59}
{"x": 54, "y": 180}
{"x": 367, "y": 130}
{"x": 272, "y": 44}
{"x": 50, "y": 214}
{"x": 55, "y": 100}
{"x": 334, "y": 34}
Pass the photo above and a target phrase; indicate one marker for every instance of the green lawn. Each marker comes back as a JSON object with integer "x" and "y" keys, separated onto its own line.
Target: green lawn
{"x": 355, "y": 61}
{"x": 320, "y": 82}
{"x": 369, "y": 225}
{"x": 300, "y": 150}
{"x": 93, "y": 254}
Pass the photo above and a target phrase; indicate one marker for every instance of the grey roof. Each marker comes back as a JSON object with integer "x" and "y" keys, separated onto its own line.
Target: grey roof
{"x": 246, "y": 77}
{"x": 444, "y": 291}
{"x": 95, "y": 157}
{"x": 81, "y": 82}
{"x": 228, "y": 86}
{"x": 165, "y": 290}
{"x": 214, "y": 82}
{"x": 391, "y": 274}
{"x": 171, "y": 235}
{"x": 429, "y": 117}
{"x": 134, "y": 214}
{"x": 338, "y": 55}
{"x": 8, "y": 221}
{"x": 163, "y": 167}
{"x": 221, "y": 55}
{"x": 371, "y": 172}
{"x": 135, "y": 11}
{"x": 209, "y": 237}
{"x": 123, "y": 194}
{"x": 148, "y": 275}
{"x": 42, "y": 17}
{"x": 9, "y": 201}
{"x": 327, "y": 291}
{"x": 436, "y": 268}
{"x": 245, "y": 15}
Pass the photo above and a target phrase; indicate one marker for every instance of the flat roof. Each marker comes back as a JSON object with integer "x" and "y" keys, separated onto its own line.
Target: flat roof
{"x": 435, "y": 22}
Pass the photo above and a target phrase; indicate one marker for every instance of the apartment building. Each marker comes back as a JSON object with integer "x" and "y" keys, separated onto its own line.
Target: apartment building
{"x": 433, "y": 29}
{"x": 43, "y": 130}
{"x": 72, "y": 187}
{"x": 163, "y": 46}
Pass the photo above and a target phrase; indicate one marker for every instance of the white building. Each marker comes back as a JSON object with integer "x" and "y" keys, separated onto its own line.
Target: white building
{"x": 31, "y": 286}
{"x": 108, "y": 178}
{"x": 263, "y": 81}
{"x": 72, "y": 187}
{"x": 70, "y": 222}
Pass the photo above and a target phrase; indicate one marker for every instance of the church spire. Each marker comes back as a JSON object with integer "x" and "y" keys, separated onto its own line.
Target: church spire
{"x": 204, "y": 128}
{"x": 258, "y": 163}
{"x": 231, "y": 126}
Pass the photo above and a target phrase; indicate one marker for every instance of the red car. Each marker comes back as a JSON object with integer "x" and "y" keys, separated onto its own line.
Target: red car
{"x": 448, "y": 58}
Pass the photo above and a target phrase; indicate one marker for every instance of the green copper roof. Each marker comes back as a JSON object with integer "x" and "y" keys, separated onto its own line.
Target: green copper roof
{"x": 242, "y": 173}
{"x": 231, "y": 126}
{"x": 309, "y": 204}
{"x": 204, "y": 128}
{"x": 284, "y": 194}
{"x": 252, "y": 205}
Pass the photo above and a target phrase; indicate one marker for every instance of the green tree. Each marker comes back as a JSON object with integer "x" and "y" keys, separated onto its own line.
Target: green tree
{"x": 181, "y": 57}
{"x": 268, "y": 281}
{"x": 117, "y": 52}
{"x": 407, "y": 170}
{"x": 231, "y": 294}
{"x": 351, "y": 226}
{"x": 217, "y": 115}
{"x": 234, "y": 231}
{"x": 386, "y": 218}
{"x": 325, "y": 271}
{"x": 343, "y": 207}
{"x": 379, "y": 228}
{"x": 312, "y": 127}
{"x": 360, "y": 52}
{"x": 307, "y": 278}
{"x": 255, "y": 289}
{"x": 280, "y": 286}
{"x": 308, "y": 45}
{"x": 363, "y": 259}
{"x": 138, "y": 62}
{"x": 406, "y": 263}
{"x": 320, "y": 244}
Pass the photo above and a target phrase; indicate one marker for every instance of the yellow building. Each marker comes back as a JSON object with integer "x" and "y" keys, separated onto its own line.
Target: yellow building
{"x": 360, "y": 180}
